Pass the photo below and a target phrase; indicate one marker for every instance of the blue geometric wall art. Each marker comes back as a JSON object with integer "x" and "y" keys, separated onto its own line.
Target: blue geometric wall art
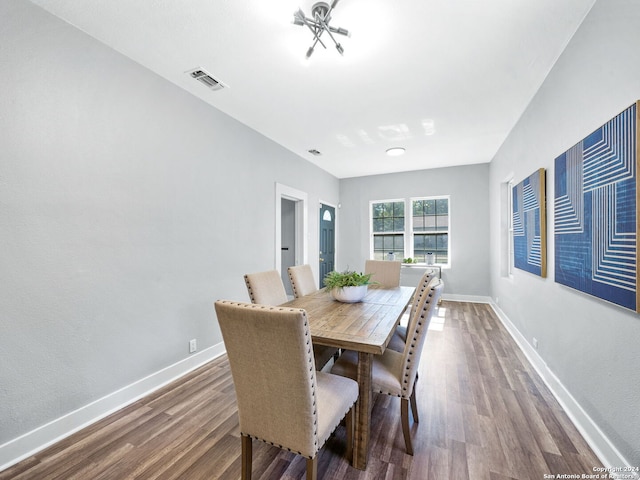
{"x": 529, "y": 224}
{"x": 596, "y": 212}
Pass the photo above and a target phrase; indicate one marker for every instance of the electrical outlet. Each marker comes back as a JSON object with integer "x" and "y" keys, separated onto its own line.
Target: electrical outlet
{"x": 535, "y": 343}
{"x": 193, "y": 346}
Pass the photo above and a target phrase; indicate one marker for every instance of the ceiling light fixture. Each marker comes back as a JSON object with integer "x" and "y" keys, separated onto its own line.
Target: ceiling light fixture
{"x": 395, "y": 151}
{"x": 319, "y": 23}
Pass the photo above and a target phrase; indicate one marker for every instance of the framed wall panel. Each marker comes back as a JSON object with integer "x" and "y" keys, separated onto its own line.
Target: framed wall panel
{"x": 596, "y": 212}
{"x": 529, "y": 224}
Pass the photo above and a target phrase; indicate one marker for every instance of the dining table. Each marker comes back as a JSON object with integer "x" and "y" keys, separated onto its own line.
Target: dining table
{"x": 365, "y": 327}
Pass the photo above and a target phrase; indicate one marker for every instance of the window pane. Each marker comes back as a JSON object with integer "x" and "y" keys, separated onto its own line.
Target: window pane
{"x": 418, "y": 223}
{"x": 383, "y": 244}
{"x": 429, "y": 223}
{"x": 377, "y": 210}
{"x": 442, "y": 206}
{"x": 442, "y": 222}
{"x": 418, "y": 207}
{"x": 429, "y": 207}
{"x": 387, "y": 217}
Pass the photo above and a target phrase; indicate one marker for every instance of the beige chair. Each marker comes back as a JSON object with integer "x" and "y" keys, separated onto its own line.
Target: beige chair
{"x": 395, "y": 373}
{"x": 399, "y": 337}
{"x": 303, "y": 283}
{"x": 282, "y": 399}
{"x": 266, "y": 288}
{"x": 384, "y": 273}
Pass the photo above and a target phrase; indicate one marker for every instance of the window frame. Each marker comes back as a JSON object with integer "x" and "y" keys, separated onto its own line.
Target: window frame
{"x": 372, "y": 234}
{"x": 408, "y": 233}
{"x": 510, "y": 246}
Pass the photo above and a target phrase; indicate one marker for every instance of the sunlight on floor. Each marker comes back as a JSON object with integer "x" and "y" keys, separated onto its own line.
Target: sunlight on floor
{"x": 437, "y": 321}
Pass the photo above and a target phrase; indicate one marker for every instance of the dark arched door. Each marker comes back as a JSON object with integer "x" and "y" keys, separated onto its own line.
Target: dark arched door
{"x": 327, "y": 241}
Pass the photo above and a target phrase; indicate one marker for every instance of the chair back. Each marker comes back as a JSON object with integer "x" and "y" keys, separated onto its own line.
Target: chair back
{"x": 385, "y": 273}
{"x": 271, "y": 359}
{"x": 266, "y": 288}
{"x": 420, "y": 288}
{"x": 302, "y": 281}
{"x": 426, "y": 304}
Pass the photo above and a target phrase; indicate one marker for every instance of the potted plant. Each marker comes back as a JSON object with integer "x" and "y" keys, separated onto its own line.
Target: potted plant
{"x": 348, "y": 286}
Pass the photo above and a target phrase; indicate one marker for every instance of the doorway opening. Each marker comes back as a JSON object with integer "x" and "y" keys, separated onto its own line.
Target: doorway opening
{"x": 291, "y": 231}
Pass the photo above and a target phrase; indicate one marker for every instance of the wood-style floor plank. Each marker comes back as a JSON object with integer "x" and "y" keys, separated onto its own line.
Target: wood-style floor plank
{"x": 485, "y": 414}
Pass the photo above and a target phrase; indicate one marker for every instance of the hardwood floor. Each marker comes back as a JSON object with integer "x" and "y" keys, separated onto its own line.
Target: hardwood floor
{"x": 484, "y": 415}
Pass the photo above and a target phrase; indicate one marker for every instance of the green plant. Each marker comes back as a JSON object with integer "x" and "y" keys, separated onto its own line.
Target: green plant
{"x": 346, "y": 279}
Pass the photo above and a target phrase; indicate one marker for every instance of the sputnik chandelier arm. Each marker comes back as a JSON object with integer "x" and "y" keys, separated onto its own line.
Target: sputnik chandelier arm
{"x": 319, "y": 24}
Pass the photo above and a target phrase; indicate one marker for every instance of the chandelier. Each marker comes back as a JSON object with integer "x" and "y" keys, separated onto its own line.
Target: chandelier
{"x": 319, "y": 23}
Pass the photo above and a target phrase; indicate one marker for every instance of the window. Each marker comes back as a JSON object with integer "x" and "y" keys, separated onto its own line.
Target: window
{"x": 431, "y": 229}
{"x": 510, "y": 252}
{"x": 423, "y": 235}
{"x": 387, "y": 220}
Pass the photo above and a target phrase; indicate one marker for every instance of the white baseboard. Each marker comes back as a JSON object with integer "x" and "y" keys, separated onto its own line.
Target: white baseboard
{"x": 465, "y": 298}
{"x": 608, "y": 454}
{"x": 32, "y": 442}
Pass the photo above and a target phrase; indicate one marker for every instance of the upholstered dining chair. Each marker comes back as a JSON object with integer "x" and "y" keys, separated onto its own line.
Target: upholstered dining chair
{"x": 384, "y": 272}
{"x": 282, "y": 399}
{"x": 303, "y": 283}
{"x": 395, "y": 373}
{"x": 399, "y": 337}
{"x": 302, "y": 280}
{"x": 266, "y": 288}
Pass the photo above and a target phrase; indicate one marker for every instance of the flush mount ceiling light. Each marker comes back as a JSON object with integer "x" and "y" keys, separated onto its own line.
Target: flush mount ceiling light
{"x": 395, "y": 151}
{"x": 319, "y": 23}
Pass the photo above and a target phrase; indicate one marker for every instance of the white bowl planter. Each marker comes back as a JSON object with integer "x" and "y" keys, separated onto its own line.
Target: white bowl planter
{"x": 349, "y": 294}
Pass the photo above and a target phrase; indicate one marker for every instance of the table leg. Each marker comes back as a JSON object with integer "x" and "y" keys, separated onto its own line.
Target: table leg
{"x": 363, "y": 412}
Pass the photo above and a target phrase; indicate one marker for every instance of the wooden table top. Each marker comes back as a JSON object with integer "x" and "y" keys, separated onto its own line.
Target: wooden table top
{"x": 365, "y": 326}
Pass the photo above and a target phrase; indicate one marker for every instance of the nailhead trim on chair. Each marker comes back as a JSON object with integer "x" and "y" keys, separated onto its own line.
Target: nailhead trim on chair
{"x": 293, "y": 284}
{"x": 246, "y": 281}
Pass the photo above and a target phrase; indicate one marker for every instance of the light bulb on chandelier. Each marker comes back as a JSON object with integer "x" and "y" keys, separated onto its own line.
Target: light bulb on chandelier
{"x": 319, "y": 24}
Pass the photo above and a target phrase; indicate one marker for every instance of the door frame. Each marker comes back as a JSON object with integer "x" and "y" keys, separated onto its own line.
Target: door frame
{"x": 301, "y": 201}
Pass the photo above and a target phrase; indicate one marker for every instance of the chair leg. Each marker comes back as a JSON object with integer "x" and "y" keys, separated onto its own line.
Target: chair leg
{"x": 348, "y": 420}
{"x": 312, "y": 468}
{"x": 247, "y": 448}
{"x": 404, "y": 414}
{"x": 414, "y": 405}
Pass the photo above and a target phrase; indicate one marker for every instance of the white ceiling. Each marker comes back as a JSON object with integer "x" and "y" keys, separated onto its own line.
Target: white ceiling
{"x": 446, "y": 79}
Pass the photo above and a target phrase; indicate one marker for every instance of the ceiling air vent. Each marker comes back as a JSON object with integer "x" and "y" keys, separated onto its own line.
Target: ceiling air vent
{"x": 206, "y": 79}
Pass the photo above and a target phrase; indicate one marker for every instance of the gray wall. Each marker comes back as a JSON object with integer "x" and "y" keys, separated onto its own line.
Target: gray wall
{"x": 591, "y": 346}
{"x": 127, "y": 206}
{"x": 468, "y": 188}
